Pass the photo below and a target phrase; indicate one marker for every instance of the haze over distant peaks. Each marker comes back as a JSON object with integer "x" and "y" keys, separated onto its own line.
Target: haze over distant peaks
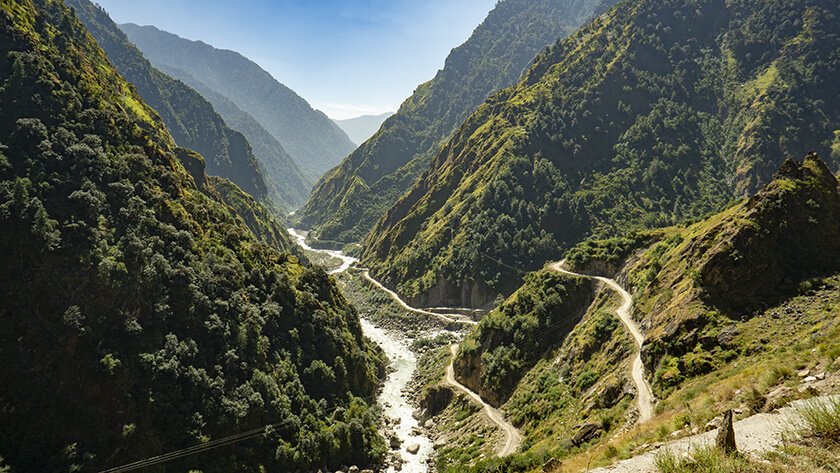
{"x": 359, "y": 129}
{"x": 315, "y": 143}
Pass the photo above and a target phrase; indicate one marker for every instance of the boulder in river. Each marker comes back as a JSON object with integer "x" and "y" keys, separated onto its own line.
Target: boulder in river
{"x": 413, "y": 448}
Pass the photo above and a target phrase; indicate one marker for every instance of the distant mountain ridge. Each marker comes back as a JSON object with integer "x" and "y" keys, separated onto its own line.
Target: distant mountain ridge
{"x": 314, "y": 142}
{"x": 287, "y": 186}
{"x": 191, "y": 119}
{"x": 346, "y": 203}
{"x": 359, "y": 129}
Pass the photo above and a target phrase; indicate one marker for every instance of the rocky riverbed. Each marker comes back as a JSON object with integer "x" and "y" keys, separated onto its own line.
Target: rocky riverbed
{"x": 410, "y": 447}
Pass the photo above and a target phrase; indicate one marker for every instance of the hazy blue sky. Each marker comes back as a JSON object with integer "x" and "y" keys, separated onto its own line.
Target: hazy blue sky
{"x": 346, "y": 57}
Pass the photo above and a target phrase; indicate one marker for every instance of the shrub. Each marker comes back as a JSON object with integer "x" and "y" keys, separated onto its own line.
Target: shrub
{"x": 776, "y": 375}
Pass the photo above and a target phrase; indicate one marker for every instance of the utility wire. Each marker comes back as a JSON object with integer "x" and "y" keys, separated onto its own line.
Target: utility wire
{"x": 500, "y": 263}
{"x": 178, "y": 454}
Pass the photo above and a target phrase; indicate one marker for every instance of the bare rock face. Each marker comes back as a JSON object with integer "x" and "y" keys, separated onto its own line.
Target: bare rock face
{"x": 725, "y": 440}
{"x": 586, "y": 433}
{"x": 463, "y": 294}
{"x": 436, "y": 400}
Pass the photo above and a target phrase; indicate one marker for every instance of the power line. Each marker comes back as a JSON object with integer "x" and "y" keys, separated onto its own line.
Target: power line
{"x": 195, "y": 449}
{"x": 500, "y": 263}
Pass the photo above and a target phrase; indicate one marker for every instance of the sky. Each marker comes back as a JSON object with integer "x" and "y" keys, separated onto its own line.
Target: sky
{"x": 346, "y": 57}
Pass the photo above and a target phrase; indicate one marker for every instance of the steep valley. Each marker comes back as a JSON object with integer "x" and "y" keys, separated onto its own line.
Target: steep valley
{"x": 605, "y": 237}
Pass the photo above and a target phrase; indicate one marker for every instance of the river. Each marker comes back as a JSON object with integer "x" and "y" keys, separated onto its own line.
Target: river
{"x": 393, "y": 399}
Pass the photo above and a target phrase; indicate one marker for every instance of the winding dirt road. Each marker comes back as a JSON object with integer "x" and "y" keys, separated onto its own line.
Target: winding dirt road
{"x": 450, "y": 318}
{"x": 644, "y": 395}
{"x": 513, "y": 439}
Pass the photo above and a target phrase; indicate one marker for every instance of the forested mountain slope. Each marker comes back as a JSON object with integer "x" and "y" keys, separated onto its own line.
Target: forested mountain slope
{"x": 310, "y": 137}
{"x": 139, "y": 314}
{"x": 190, "y": 118}
{"x": 657, "y": 111}
{"x": 347, "y": 202}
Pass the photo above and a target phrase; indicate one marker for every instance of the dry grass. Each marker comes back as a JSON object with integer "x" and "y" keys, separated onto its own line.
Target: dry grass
{"x": 821, "y": 419}
{"x": 710, "y": 460}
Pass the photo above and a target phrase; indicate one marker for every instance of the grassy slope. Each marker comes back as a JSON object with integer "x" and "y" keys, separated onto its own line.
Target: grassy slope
{"x": 701, "y": 357}
{"x": 583, "y": 380}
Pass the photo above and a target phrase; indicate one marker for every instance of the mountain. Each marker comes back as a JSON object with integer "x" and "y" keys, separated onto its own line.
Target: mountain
{"x": 349, "y": 200}
{"x": 359, "y": 129}
{"x": 731, "y": 306}
{"x": 286, "y": 184}
{"x": 731, "y": 267}
{"x": 652, "y": 114}
{"x": 314, "y": 142}
{"x": 139, "y": 314}
{"x": 191, "y": 119}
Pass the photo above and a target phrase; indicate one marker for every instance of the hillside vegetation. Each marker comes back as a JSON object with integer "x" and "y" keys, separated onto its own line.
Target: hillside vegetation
{"x": 140, "y": 314}
{"x": 509, "y": 340}
{"x": 654, "y": 113}
{"x": 705, "y": 350}
{"x": 349, "y": 200}
{"x": 191, "y": 119}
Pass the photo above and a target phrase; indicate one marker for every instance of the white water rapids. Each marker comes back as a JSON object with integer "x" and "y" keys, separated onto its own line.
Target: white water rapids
{"x": 393, "y": 398}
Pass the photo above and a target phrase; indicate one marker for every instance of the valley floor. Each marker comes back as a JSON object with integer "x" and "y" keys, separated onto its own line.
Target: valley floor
{"x": 459, "y": 428}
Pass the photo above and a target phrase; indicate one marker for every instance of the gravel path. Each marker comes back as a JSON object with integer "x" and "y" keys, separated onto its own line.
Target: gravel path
{"x": 644, "y": 395}
{"x": 756, "y": 434}
{"x": 513, "y": 439}
{"x": 450, "y": 318}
